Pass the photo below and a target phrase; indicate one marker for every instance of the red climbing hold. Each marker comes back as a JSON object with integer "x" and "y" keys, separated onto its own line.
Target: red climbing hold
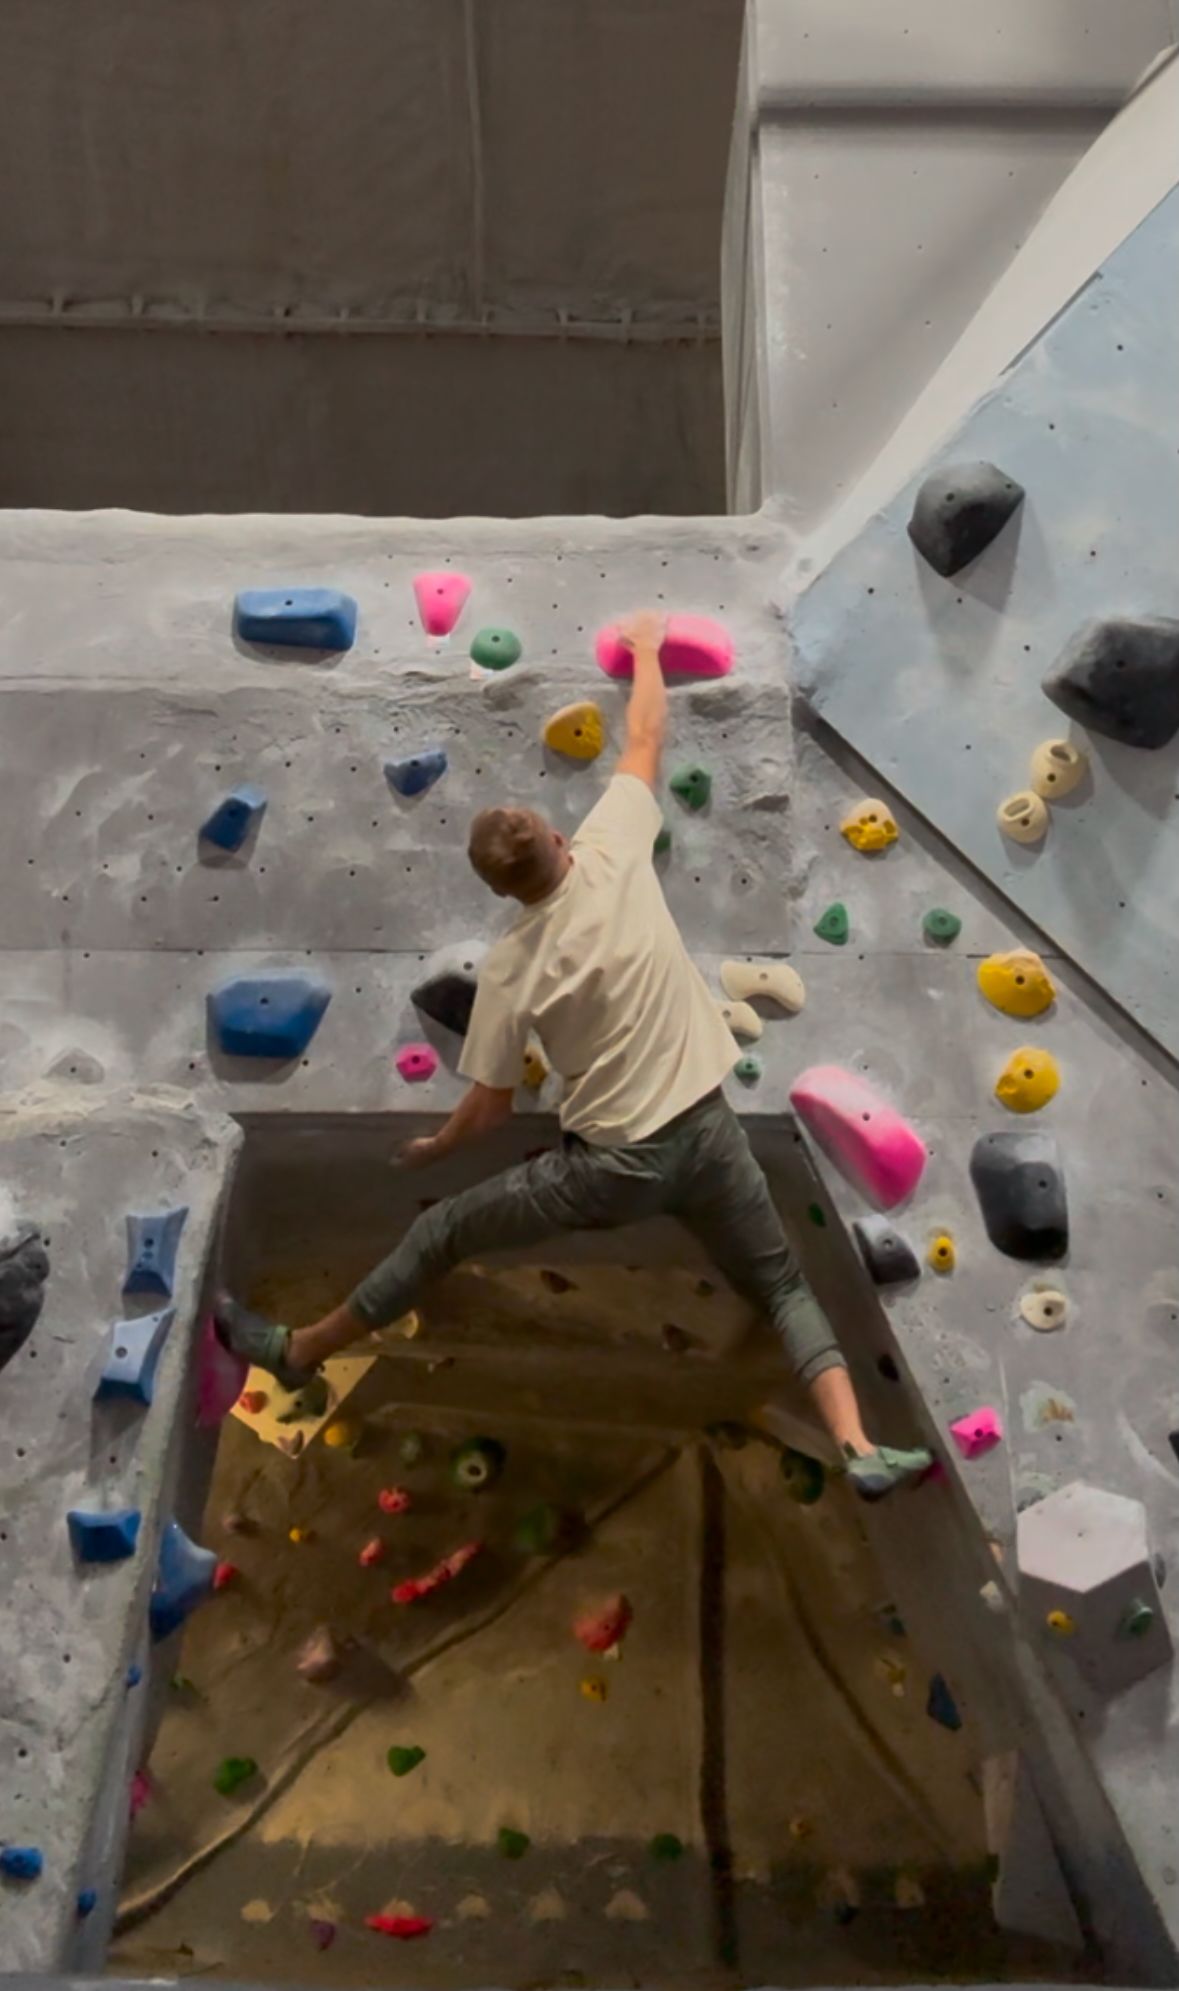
{"x": 692, "y": 646}
{"x": 225, "y": 1574}
{"x": 253, "y": 1401}
{"x": 395, "y": 1500}
{"x": 874, "y": 1146}
{"x": 372, "y": 1553}
{"x": 423, "y": 1586}
{"x": 441, "y": 599}
{"x": 601, "y": 1629}
{"x": 403, "y": 1927}
{"x": 141, "y": 1792}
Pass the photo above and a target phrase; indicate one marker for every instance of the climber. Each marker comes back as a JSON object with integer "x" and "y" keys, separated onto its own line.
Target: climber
{"x": 595, "y": 966}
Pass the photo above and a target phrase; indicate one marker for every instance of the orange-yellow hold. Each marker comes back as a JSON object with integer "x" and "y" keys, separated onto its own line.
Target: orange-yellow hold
{"x": 298, "y": 1535}
{"x": 1028, "y": 1080}
{"x": 869, "y": 827}
{"x": 1060, "y": 1623}
{"x": 941, "y": 1256}
{"x": 594, "y": 1687}
{"x": 578, "y": 731}
{"x": 535, "y": 1070}
{"x": 1018, "y": 983}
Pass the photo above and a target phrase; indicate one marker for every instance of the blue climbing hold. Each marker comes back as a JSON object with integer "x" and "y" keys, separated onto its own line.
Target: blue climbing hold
{"x": 941, "y": 1705}
{"x": 109, "y": 1537}
{"x": 268, "y": 1016}
{"x": 184, "y": 1578}
{"x": 419, "y": 772}
{"x": 133, "y": 1354}
{"x": 296, "y": 618}
{"x": 134, "y": 1675}
{"x": 233, "y": 818}
{"x": 21, "y": 1862}
{"x": 152, "y": 1244}
{"x": 87, "y": 1901}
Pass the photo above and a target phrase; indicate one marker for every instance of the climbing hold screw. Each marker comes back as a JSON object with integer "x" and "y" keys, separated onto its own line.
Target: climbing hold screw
{"x": 941, "y": 1256}
{"x": 941, "y": 926}
{"x": 495, "y": 649}
{"x": 233, "y": 1772}
{"x": 1023, "y": 817}
{"x": 834, "y": 925}
{"x": 1060, "y": 1623}
{"x": 869, "y": 827}
{"x": 404, "y": 1757}
{"x": 693, "y": 785}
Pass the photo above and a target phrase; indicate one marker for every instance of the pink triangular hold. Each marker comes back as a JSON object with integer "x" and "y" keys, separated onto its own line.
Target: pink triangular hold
{"x": 977, "y": 1433}
{"x": 442, "y": 598}
{"x": 692, "y": 647}
{"x": 220, "y": 1377}
{"x": 866, "y": 1136}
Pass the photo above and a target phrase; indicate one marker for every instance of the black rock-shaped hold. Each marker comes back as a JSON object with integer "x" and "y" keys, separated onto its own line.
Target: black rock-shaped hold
{"x": 447, "y": 999}
{"x": 24, "y": 1268}
{"x": 889, "y": 1257}
{"x": 959, "y": 510}
{"x": 1120, "y": 677}
{"x": 1019, "y": 1182}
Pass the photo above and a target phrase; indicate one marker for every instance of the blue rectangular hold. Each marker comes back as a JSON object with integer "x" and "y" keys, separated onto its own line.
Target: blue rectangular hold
{"x": 296, "y": 618}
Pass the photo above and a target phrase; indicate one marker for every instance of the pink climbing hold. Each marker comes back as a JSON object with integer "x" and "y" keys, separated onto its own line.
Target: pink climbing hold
{"x": 692, "y": 646}
{"x": 372, "y": 1553}
{"x": 442, "y": 598}
{"x": 417, "y": 1587}
{"x": 866, "y": 1136}
{"x": 141, "y": 1792}
{"x": 416, "y": 1062}
{"x": 220, "y": 1378}
{"x": 395, "y": 1500}
{"x": 978, "y": 1433}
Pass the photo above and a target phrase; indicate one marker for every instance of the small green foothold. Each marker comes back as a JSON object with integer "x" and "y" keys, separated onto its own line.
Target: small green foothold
{"x": 747, "y": 1069}
{"x": 817, "y": 1215}
{"x": 402, "y": 1759}
{"x": 513, "y": 1845}
{"x": 538, "y": 1531}
{"x": 233, "y": 1771}
{"x": 181, "y": 1684}
{"x": 804, "y": 1477}
{"x": 1136, "y": 1620}
{"x": 412, "y": 1448}
{"x": 834, "y": 924}
{"x": 693, "y": 786}
{"x": 941, "y": 926}
{"x": 477, "y": 1464}
{"x": 665, "y": 1846}
{"x": 662, "y": 841}
{"x": 495, "y": 649}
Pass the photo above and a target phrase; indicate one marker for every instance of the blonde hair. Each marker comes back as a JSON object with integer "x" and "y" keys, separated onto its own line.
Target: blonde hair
{"x": 514, "y": 853}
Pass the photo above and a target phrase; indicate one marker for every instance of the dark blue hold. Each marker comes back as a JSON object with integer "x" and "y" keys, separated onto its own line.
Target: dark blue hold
{"x": 267, "y": 1016}
{"x": 414, "y": 776}
{"x": 87, "y": 1902}
{"x": 184, "y": 1578}
{"x": 134, "y": 1675}
{"x": 109, "y": 1537}
{"x": 133, "y": 1356}
{"x": 941, "y": 1705}
{"x": 21, "y": 1862}
{"x": 296, "y": 618}
{"x": 152, "y": 1244}
{"x": 233, "y": 818}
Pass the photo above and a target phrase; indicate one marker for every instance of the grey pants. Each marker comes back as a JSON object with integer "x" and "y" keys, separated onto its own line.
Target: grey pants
{"x": 698, "y": 1168}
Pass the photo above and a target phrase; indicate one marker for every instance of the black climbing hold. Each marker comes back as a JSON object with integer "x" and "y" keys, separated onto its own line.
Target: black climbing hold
{"x": 666, "y": 1846}
{"x": 833, "y": 925}
{"x": 1019, "y": 1182}
{"x": 693, "y": 785}
{"x": 941, "y": 1705}
{"x": 24, "y": 1268}
{"x": 817, "y": 1215}
{"x": 662, "y": 840}
{"x": 805, "y": 1478}
{"x": 888, "y": 1256}
{"x": 477, "y": 1464}
{"x": 448, "y": 999}
{"x": 959, "y": 510}
{"x": 1121, "y": 678}
{"x": 844, "y": 1912}
{"x": 888, "y": 1368}
{"x": 940, "y": 926}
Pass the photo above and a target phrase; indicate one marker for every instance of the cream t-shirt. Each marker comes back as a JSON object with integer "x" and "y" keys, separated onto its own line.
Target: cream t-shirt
{"x": 599, "y": 972}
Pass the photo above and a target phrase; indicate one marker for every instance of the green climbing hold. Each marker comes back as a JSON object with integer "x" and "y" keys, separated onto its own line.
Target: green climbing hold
{"x": 513, "y": 1845}
{"x": 233, "y": 1771}
{"x": 402, "y": 1759}
{"x": 477, "y": 1464}
{"x": 834, "y": 925}
{"x": 817, "y": 1215}
{"x": 1136, "y": 1620}
{"x": 495, "y": 649}
{"x": 804, "y": 1477}
{"x": 665, "y": 1846}
{"x": 747, "y": 1069}
{"x": 540, "y": 1530}
{"x": 940, "y": 926}
{"x": 662, "y": 841}
{"x": 412, "y": 1449}
{"x": 692, "y": 785}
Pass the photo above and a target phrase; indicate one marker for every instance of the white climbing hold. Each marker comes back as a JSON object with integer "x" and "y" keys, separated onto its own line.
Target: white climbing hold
{"x": 1045, "y": 1308}
{"x": 1023, "y": 817}
{"x": 741, "y": 1019}
{"x": 1057, "y": 767}
{"x": 773, "y": 979}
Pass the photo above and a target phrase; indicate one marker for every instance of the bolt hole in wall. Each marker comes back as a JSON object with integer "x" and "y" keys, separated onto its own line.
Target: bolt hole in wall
{"x": 551, "y": 1467}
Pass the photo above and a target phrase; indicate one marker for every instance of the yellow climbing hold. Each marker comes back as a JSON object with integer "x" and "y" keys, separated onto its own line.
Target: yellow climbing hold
{"x": 594, "y": 1687}
{"x": 579, "y": 731}
{"x": 1028, "y": 1080}
{"x": 890, "y": 1669}
{"x": 1060, "y": 1623}
{"x": 344, "y": 1435}
{"x": 800, "y": 1828}
{"x": 1018, "y": 983}
{"x": 869, "y": 827}
{"x": 535, "y": 1070}
{"x": 298, "y": 1535}
{"x": 941, "y": 1256}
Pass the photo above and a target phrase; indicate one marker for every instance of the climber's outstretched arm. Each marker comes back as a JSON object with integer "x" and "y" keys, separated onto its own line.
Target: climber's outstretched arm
{"x": 646, "y": 714}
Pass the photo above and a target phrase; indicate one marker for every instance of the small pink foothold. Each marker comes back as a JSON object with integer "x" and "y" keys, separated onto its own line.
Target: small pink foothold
{"x": 416, "y": 1062}
{"x": 323, "y": 1934}
{"x": 224, "y": 1575}
{"x": 372, "y": 1553}
{"x": 395, "y": 1500}
{"x": 141, "y": 1792}
{"x": 441, "y": 599}
{"x": 692, "y": 646}
{"x": 866, "y": 1136}
{"x": 221, "y": 1377}
{"x": 978, "y": 1433}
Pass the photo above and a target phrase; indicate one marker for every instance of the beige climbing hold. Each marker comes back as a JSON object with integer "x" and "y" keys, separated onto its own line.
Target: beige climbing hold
{"x": 626, "y": 1906}
{"x": 1023, "y": 817}
{"x": 941, "y": 1256}
{"x": 535, "y": 1070}
{"x": 1057, "y": 767}
{"x": 1018, "y": 983}
{"x": 908, "y": 1891}
{"x": 800, "y": 1828}
{"x": 1060, "y": 1624}
{"x": 320, "y": 1658}
{"x": 578, "y": 731}
{"x": 891, "y": 1670}
{"x": 741, "y": 1019}
{"x": 290, "y": 1442}
{"x": 775, "y": 980}
{"x": 1045, "y": 1309}
{"x": 869, "y": 826}
{"x": 1028, "y": 1080}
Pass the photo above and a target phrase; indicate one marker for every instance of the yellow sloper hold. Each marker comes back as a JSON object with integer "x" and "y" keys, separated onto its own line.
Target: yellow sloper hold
{"x": 535, "y": 1070}
{"x": 869, "y": 826}
{"x": 1028, "y": 1080}
{"x": 1018, "y": 983}
{"x": 578, "y": 731}
{"x": 1060, "y": 1623}
{"x": 941, "y": 1256}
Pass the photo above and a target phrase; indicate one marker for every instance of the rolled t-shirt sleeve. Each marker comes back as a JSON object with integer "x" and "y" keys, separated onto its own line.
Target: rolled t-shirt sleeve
{"x": 627, "y": 819}
{"x": 496, "y": 1039}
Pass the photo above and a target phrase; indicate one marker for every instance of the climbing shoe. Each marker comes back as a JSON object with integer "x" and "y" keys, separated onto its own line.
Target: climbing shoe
{"x": 262, "y": 1342}
{"x": 875, "y": 1474}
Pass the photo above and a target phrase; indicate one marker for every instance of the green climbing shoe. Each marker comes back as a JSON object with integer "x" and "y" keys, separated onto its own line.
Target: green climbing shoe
{"x": 878, "y": 1473}
{"x": 262, "y": 1342}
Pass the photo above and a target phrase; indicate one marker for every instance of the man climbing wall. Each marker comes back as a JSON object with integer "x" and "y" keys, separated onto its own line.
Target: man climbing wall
{"x": 595, "y": 966}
